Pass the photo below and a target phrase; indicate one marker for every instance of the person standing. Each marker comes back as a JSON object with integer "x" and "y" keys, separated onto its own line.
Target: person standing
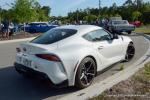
{"x": 11, "y": 28}
{"x": 1, "y": 29}
{"x": 6, "y": 28}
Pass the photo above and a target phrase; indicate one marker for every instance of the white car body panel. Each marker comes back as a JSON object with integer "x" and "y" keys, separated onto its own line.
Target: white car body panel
{"x": 72, "y": 51}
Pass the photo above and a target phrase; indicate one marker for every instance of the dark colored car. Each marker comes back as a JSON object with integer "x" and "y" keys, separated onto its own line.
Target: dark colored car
{"x": 118, "y": 26}
{"x": 38, "y": 27}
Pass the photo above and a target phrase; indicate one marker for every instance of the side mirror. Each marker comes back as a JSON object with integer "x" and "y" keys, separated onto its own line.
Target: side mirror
{"x": 114, "y": 36}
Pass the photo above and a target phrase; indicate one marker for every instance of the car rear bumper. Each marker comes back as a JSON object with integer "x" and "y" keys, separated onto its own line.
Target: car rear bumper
{"x": 23, "y": 69}
{"x": 54, "y": 70}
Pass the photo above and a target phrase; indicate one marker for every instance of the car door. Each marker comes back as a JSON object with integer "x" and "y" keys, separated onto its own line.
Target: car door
{"x": 36, "y": 27}
{"x": 44, "y": 27}
{"x": 109, "y": 50}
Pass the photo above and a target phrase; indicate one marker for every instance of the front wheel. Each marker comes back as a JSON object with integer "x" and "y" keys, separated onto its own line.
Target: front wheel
{"x": 130, "y": 52}
{"x": 85, "y": 73}
{"x": 129, "y": 32}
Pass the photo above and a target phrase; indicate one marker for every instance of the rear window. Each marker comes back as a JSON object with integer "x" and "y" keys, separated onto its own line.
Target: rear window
{"x": 54, "y": 35}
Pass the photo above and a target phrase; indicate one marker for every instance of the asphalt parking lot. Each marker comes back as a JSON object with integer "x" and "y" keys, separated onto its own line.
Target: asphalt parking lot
{"x": 15, "y": 87}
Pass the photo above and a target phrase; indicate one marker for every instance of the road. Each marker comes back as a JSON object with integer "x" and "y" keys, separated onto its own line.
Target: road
{"x": 15, "y": 87}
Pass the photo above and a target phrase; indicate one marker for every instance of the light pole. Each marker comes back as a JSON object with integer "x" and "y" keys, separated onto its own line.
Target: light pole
{"x": 77, "y": 16}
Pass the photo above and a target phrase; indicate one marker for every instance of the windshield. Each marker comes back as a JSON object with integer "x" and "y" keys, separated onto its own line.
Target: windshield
{"x": 54, "y": 35}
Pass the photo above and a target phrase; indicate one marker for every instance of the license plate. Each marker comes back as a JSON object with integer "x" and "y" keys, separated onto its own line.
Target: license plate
{"x": 27, "y": 62}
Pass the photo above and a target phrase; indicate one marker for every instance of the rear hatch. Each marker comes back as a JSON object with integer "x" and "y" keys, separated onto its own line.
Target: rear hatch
{"x": 48, "y": 41}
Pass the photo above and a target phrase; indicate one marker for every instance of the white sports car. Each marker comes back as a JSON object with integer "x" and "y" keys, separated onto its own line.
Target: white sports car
{"x": 72, "y": 55}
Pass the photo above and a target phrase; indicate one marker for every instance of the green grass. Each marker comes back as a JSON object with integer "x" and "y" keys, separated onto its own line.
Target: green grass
{"x": 121, "y": 67}
{"x": 145, "y": 30}
{"x": 144, "y": 75}
{"x": 138, "y": 83}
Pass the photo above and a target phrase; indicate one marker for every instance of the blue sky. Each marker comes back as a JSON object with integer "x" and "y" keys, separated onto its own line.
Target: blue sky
{"x": 62, "y": 7}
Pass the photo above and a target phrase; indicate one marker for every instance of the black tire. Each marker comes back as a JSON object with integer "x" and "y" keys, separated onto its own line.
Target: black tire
{"x": 130, "y": 52}
{"x": 85, "y": 73}
{"x": 129, "y": 32}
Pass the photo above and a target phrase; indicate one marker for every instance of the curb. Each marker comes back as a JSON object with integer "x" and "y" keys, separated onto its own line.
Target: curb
{"x": 16, "y": 40}
{"x": 98, "y": 88}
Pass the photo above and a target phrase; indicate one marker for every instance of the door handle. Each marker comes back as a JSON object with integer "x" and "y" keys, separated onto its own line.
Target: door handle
{"x": 100, "y": 47}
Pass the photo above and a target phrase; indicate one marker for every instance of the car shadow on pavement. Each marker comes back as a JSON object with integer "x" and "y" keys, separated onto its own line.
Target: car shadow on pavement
{"x": 16, "y": 87}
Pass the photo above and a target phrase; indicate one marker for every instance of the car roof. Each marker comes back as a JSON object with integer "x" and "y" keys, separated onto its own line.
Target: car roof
{"x": 80, "y": 28}
{"x": 39, "y": 23}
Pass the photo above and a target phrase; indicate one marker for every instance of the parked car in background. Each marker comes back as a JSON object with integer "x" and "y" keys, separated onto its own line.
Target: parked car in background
{"x": 118, "y": 26}
{"x": 38, "y": 27}
{"x": 136, "y": 23}
{"x": 55, "y": 22}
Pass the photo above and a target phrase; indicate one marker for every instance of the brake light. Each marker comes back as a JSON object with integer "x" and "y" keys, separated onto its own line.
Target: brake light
{"x": 48, "y": 57}
{"x": 18, "y": 50}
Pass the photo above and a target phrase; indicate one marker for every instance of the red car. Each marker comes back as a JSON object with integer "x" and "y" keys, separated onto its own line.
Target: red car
{"x": 136, "y": 23}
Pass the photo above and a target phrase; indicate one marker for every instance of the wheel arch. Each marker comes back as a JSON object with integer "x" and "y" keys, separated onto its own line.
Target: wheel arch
{"x": 78, "y": 63}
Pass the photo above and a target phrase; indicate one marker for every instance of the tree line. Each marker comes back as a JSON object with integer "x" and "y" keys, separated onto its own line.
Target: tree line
{"x": 30, "y": 10}
{"x": 130, "y": 10}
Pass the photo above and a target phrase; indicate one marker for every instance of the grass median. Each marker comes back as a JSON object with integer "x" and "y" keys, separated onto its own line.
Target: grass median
{"x": 143, "y": 29}
{"x": 135, "y": 88}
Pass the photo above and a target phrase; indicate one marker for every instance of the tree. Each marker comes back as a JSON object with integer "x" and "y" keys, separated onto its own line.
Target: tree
{"x": 23, "y": 11}
{"x": 90, "y": 18}
{"x": 29, "y": 10}
{"x": 128, "y": 3}
{"x": 136, "y": 15}
{"x": 46, "y": 10}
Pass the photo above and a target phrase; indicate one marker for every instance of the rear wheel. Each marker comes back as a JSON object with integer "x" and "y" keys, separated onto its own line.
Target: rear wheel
{"x": 85, "y": 73}
{"x": 130, "y": 52}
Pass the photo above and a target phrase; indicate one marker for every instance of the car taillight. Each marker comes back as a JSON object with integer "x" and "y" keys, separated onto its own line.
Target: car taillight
{"x": 48, "y": 57}
{"x": 18, "y": 50}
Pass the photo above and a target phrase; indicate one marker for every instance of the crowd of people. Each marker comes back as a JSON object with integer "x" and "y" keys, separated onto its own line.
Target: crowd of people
{"x": 6, "y": 28}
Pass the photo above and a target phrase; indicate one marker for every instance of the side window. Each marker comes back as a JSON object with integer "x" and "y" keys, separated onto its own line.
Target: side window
{"x": 98, "y": 35}
{"x": 43, "y": 24}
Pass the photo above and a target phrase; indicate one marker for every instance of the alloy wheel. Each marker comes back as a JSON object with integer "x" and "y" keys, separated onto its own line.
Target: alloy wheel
{"x": 87, "y": 73}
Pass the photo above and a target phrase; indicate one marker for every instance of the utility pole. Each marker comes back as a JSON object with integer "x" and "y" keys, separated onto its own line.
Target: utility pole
{"x": 99, "y": 6}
